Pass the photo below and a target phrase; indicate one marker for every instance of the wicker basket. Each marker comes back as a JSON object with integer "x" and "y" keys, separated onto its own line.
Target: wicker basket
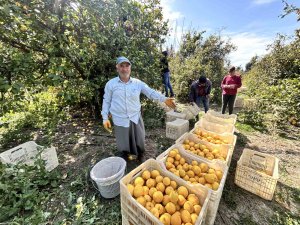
{"x": 258, "y": 173}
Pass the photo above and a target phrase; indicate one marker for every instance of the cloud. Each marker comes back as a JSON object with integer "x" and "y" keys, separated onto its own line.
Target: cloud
{"x": 248, "y": 45}
{"x": 262, "y": 2}
{"x": 168, "y": 12}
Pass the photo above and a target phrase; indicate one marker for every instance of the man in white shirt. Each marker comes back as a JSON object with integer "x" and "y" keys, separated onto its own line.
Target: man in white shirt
{"x": 122, "y": 99}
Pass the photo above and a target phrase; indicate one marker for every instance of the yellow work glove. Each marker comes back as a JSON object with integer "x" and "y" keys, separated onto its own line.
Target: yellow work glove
{"x": 170, "y": 103}
{"x": 107, "y": 125}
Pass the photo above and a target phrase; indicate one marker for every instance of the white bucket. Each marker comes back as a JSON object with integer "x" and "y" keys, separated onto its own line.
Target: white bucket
{"x": 107, "y": 173}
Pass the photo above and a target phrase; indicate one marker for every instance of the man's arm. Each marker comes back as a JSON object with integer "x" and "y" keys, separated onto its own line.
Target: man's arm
{"x": 223, "y": 84}
{"x": 192, "y": 94}
{"x": 106, "y": 101}
{"x": 154, "y": 95}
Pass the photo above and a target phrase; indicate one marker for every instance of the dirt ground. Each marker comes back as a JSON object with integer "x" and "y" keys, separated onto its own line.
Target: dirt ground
{"x": 82, "y": 142}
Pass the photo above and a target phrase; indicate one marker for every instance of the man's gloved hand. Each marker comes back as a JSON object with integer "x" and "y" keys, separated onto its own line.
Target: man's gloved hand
{"x": 107, "y": 125}
{"x": 170, "y": 103}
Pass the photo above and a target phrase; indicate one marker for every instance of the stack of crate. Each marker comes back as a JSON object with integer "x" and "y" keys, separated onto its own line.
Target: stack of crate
{"x": 257, "y": 173}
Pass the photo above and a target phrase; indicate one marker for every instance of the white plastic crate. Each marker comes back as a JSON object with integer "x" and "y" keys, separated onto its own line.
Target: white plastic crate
{"x": 176, "y": 128}
{"x": 188, "y": 113}
{"x": 172, "y": 115}
{"x": 230, "y": 138}
{"x": 229, "y": 118}
{"x": 215, "y": 127}
{"x": 135, "y": 214}
{"x": 258, "y": 173}
{"x": 215, "y": 195}
{"x": 239, "y": 102}
{"x": 218, "y": 120}
{"x": 225, "y": 150}
{"x": 194, "y": 109}
{"x": 26, "y": 152}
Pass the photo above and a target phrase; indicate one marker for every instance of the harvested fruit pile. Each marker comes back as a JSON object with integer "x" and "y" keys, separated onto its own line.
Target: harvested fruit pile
{"x": 170, "y": 203}
{"x": 193, "y": 173}
{"x": 206, "y": 136}
{"x": 203, "y": 150}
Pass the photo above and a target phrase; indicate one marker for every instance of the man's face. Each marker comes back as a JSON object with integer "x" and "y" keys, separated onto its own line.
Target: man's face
{"x": 124, "y": 69}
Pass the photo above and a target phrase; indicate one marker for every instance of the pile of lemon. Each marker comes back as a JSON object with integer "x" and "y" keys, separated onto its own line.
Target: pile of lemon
{"x": 170, "y": 203}
{"x": 203, "y": 150}
{"x": 193, "y": 173}
{"x": 213, "y": 138}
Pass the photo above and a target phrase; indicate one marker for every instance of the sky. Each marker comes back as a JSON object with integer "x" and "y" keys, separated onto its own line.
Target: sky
{"x": 251, "y": 25}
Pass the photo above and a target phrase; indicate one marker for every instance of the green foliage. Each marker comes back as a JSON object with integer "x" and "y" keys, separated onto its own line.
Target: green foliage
{"x": 25, "y": 190}
{"x": 153, "y": 114}
{"x": 283, "y": 218}
{"x": 72, "y": 45}
{"x": 278, "y": 91}
{"x": 198, "y": 55}
{"x": 38, "y": 111}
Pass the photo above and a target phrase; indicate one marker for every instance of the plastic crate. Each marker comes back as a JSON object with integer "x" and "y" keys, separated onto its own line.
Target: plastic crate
{"x": 188, "y": 113}
{"x": 225, "y": 150}
{"x": 215, "y": 127}
{"x": 172, "y": 115}
{"x": 194, "y": 109}
{"x": 229, "y": 118}
{"x": 176, "y": 128}
{"x": 215, "y": 119}
{"x": 215, "y": 195}
{"x": 136, "y": 214}
{"x": 230, "y": 138}
{"x": 248, "y": 173}
{"x": 27, "y": 152}
{"x": 239, "y": 102}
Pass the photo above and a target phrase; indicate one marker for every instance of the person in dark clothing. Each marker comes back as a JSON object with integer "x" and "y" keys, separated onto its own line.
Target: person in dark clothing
{"x": 200, "y": 91}
{"x": 230, "y": 84}
{"x": 165, "y": 71}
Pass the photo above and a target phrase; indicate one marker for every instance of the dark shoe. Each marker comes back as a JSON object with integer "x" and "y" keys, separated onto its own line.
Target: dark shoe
{"x": 141, "y": 157}
{"x": 122, "y": 154}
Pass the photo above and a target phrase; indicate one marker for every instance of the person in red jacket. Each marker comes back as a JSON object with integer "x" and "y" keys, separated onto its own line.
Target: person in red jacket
{"x": 230, "y": 84}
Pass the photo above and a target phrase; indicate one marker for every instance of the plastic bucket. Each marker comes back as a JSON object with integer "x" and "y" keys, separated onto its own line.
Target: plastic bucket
{"x": 106, "y": 174}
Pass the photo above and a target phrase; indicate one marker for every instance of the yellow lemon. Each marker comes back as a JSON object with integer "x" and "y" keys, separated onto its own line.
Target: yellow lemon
{"x": 138, "y": 191}
{"x": 154, "y": 174}
{"x": 139, "y": 181}
{"x": 165, "y": 219}
{"x": 176, "y": 219}
{"x": 174, "y": 197}
{"x": 158, "y": 196}
{"x": 197, "y": 209}
{"x": 146, "y": 175}
{"x": 170, "y": 208}
{"x": 130, "y": 188}
{"x": 155, "y": 212}
{"x": 185, "y": 216}
{"x": 141, "y": 200}
{"x": 166, "y": 181}
{"x": 160, "y": 187}
{"x": 150, "y": 183}
{"x": 183, "y": 191}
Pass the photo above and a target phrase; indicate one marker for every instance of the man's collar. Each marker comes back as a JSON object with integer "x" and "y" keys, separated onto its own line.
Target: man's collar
{"x": 119, "y": 79}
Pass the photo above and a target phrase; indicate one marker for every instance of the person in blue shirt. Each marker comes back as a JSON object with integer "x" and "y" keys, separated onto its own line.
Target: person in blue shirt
{"x": 122, "y": 100}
